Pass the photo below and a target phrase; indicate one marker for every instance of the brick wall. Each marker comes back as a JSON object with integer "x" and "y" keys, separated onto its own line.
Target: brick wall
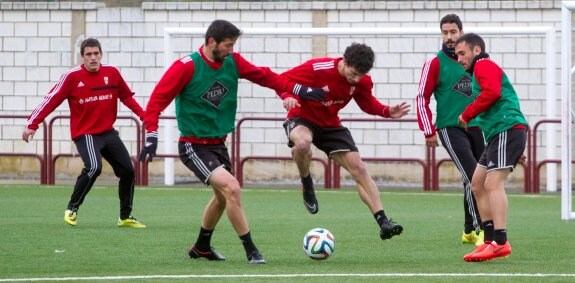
{"x": 39, "y": 41}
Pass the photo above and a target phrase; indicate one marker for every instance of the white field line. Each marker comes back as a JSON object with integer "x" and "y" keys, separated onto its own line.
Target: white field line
{"x": 232, "y": 276}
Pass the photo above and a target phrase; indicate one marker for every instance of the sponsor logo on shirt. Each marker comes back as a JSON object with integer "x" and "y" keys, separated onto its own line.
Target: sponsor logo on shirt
{"x": 96, "y": 98}
{"x": 215, "y": 94}
{"x": 463, "y": 86}
{"x": 332, "y": 102}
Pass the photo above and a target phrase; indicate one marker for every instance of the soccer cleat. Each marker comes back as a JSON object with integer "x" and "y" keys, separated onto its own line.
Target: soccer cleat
{"x": 71, "y": 216}
{"x": 480, "y": 237}
{"x": 472, "y": 237}
{"x": 478, "y": 249}
{"x": 130, "y": 222}
{"x": 491, "y": 251}
{"x": 256, "y": 258}
{"x": 390, "y": 229}
{"x": 209, "y": 254}
{"x": 310, "y": 202}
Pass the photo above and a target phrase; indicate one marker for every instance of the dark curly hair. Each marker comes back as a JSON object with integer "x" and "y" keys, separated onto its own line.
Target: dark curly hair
{"x": 360, "y": 57}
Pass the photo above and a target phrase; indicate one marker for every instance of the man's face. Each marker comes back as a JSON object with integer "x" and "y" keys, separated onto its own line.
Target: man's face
{"x": 221, "y": 50}
{"x": 466, "y": 54}
{"x": 450, "y": 33}
{"x": 352, "y": 75}
{"x": 92, "y": 58}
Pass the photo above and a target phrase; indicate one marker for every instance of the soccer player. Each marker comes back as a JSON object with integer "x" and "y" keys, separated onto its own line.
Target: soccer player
{"x": 92, "y": 90}
{"x": 444, "y": 77}
{"x": 317, "y": 122}
{"x": 205, "y": 87}
{"x": 496, "y": 109}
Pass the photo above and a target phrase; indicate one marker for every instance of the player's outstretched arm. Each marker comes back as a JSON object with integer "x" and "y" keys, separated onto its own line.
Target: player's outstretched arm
{"x": 399, "y": 110}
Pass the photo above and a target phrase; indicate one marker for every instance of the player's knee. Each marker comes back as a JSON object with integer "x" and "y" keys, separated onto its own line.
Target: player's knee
{"x": 128, "y": 173}
{"x": 302, "y": 147}
{"x": 233, "y": 192}
{"x": 93, "y": 172}
{"x": 476, "y": 187}
{"x": 358, "y": 171}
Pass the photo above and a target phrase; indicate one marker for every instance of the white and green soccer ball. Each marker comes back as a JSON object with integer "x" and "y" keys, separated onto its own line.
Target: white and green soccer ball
{"x": 318, "y": 243}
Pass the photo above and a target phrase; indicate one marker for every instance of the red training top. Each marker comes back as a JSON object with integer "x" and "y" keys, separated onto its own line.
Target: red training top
{"x": 92, "y": 97}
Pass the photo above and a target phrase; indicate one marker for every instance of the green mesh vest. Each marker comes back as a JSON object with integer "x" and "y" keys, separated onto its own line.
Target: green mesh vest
{"x": 206, "y": 107}
{"x": 453, "y": 92}
{"x": 502, "y": 115}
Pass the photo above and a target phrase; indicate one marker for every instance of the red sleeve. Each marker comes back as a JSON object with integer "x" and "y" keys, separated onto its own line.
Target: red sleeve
{"x": 366, "y": 101}
{"x": 126, "y": 96}
{"x": 169, "y": 86}
{"x": 427, "y": 84}
{"x": 303, "y": 74}
{"x": 263, "y": 76}
{"x": 51, "y": 101}
{"x": 488, "y": 75}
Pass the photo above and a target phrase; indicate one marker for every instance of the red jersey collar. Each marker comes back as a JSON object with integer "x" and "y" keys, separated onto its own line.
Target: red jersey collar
{"x": 213, "y": 64}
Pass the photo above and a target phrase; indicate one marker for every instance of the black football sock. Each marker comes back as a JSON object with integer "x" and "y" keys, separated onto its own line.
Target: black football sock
{"x": 249, "y": 245}
{"x": 488, "y": 231}
{"x": 380, "y": 217}
{"x": 204, "y": 239}
{"x": 468, "y": 227}
{"x": 307, "y": 183}
{"x": 501, "y": 236}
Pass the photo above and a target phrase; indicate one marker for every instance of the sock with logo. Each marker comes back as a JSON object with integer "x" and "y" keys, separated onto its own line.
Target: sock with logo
{"x": 249, "y": 245}
{"x": 488, "y": 231}
{"x": 204, "y": 239}
{"x": 380, "y": 217}
{"x": 307, "y": 183}
{"x": 500, "y": 236}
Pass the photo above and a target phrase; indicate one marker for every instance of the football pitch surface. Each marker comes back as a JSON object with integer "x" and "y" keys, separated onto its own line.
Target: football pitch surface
{"x": 36, "y": 244}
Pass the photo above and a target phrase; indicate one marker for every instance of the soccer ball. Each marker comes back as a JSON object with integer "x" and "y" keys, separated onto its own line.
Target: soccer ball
{"x": 318, "y": 243}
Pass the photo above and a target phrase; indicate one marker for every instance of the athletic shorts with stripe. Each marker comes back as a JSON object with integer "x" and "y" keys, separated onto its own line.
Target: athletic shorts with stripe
{"x": 328, "y": 140}
{"x": 504, "y": 150}
{"x": 204, "y": 159}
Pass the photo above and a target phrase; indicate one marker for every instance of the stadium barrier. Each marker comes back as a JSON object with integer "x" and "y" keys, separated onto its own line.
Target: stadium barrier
{"x": 536, "y": 165}
{"x": 424, "y": 163}
{"x": 527, "y": 168}
{"x": 238, "y": 161}
{"x": 42, "y": 158}
{"x": 429, "y": 165}
{"x": 51, "y": 172}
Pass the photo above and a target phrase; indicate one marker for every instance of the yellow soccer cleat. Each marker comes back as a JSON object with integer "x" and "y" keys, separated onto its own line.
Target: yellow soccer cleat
{"x": 71, "y": 217}
{"x": 479, "y": 240}
{"x": 472, "y": 238}
{"x": 130, "y": 222}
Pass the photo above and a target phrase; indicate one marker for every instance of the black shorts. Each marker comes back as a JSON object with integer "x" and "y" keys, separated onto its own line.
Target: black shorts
{"x": 504, "y": 150}
{"x": 204, "y": 159}
{"x": 328, "y": 140}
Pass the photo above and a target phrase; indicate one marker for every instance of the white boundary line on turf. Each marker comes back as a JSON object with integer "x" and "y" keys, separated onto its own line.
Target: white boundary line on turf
{"x": 289, "y": 276}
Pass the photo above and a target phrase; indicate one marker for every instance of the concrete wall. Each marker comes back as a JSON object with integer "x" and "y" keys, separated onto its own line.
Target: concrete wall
{"x": 40, "y": 40}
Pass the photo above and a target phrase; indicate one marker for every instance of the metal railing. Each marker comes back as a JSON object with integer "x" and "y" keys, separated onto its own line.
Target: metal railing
{"x": 429, "y": 165}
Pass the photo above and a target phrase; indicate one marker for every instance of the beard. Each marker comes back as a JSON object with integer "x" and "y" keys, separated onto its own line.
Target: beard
{"x": 218, "y": 56}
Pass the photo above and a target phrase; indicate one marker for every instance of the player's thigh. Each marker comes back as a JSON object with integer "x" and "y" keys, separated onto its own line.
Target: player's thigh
{"x": 223, "y": 182}
{"x": 505, "y": 149}
{"x": 298, "y": 131}
{"x": 204, "y": 160}
{"x": 349, "y": 160}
